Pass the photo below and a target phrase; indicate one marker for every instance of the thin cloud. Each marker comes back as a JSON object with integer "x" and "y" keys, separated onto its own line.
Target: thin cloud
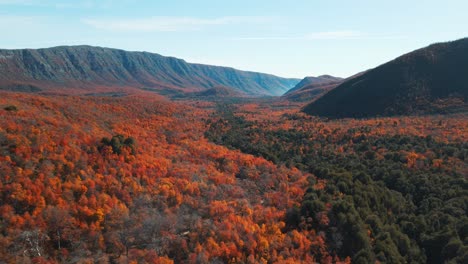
{"x": 269, "y": 38}
{"x": 167, "y": 24}
{"x": 344, "y": 34}
{"x": 327, "y": 35}
{"x": 91, "y": 4}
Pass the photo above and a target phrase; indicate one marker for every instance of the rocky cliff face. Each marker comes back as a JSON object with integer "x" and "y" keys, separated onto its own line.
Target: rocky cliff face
{"x": 85, "y": 65}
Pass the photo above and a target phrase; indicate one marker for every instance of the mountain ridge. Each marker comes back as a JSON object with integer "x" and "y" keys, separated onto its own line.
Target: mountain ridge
{"x": 84, "y": 65}
{"x": 429, "y": 80}
{"x": 311, "y": 88}
{"x": 310, "y": 80}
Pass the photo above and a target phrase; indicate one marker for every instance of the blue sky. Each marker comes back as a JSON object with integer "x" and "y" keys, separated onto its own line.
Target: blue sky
{"x": 291, "y": 38}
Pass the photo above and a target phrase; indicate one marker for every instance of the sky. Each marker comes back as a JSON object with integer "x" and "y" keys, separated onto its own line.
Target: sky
{"x": 293, "y": 38}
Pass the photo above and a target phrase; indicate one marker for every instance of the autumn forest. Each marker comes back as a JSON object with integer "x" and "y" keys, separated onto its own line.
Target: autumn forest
{"x": 141, "y": 179}
{"x": 111, "y": 156}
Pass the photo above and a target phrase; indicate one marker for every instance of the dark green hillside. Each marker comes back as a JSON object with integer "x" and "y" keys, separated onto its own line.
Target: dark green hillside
{"x": 386, "y": 199}
{"x": 429, "y": 80}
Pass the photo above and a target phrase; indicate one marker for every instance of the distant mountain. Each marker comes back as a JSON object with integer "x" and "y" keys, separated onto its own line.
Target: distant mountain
{"x": 314, "y": 80}
{"x": 312, "y": 87}
{"x": 429, "y": 80}
{"x": 33, "y": 70}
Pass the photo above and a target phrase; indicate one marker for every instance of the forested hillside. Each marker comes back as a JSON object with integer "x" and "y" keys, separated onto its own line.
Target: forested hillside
{"x": 393, "y": 190}
{"x": 98, "y": 179}
{"x": 139, "y": 178}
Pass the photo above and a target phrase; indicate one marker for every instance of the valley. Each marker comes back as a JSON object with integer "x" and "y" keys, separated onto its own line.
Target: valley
{"x": 109, "y": 156}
